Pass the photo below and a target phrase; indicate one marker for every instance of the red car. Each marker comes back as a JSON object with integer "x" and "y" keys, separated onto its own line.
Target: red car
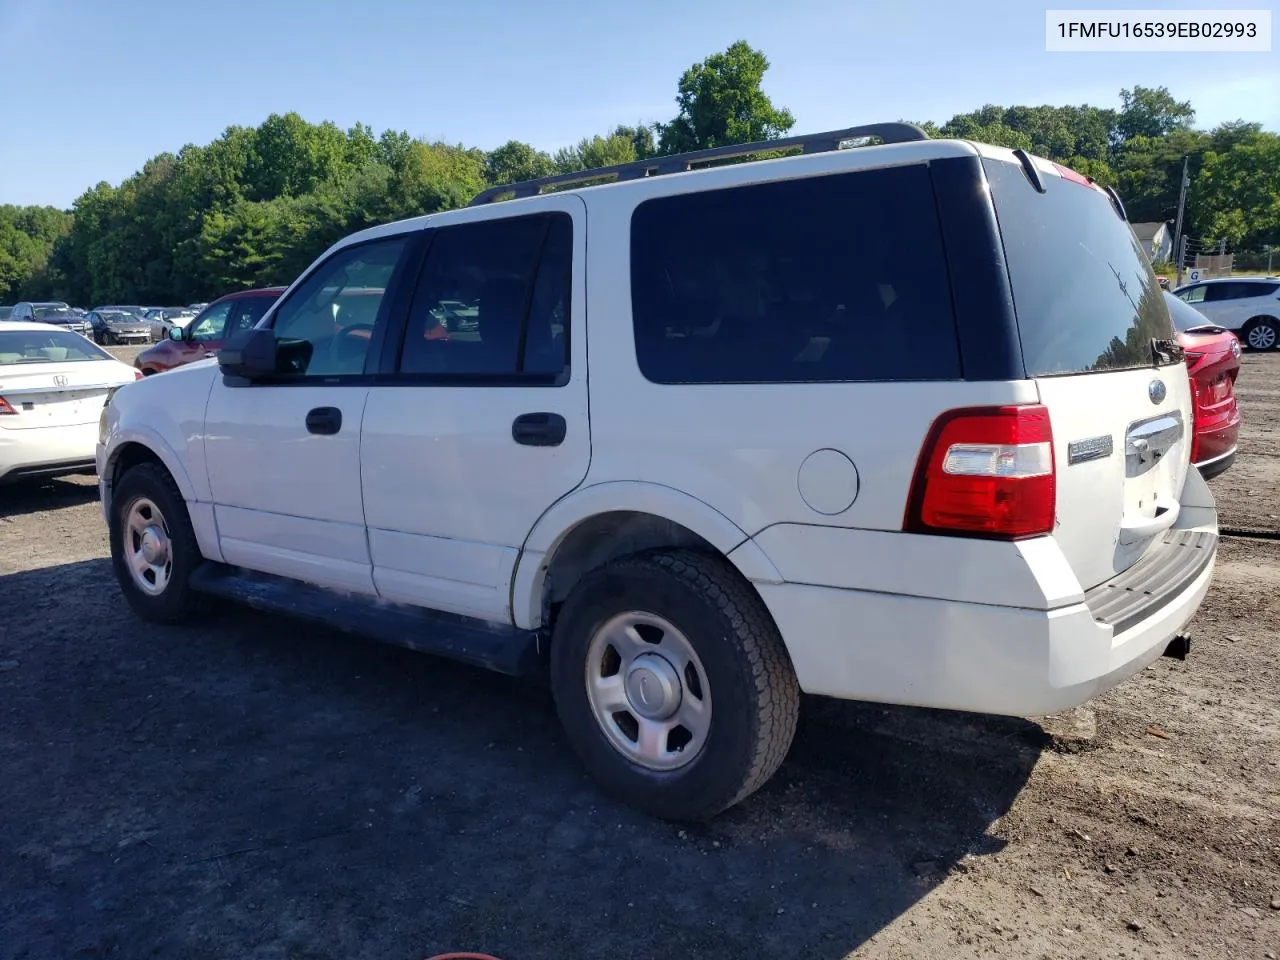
{"x": 203, "y": 336}
{"x": 1213, "y": 362}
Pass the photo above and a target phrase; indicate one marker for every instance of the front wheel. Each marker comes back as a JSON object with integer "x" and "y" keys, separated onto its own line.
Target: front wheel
{"x": 1262, "y": 334}
{"x": 673, "y": 684}
{"x": 153, "y": 546}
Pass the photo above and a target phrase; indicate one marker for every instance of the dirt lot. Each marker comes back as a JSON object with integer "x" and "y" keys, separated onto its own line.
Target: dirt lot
{"x": 253, "y": 788}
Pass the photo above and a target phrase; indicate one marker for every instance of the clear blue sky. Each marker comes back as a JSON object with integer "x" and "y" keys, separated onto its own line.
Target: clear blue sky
{"x": 93, "y": 88}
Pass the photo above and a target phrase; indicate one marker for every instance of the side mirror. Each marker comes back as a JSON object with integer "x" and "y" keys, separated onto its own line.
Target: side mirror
{"x": 249, "y": 354}
{"x": 177, "y": 333}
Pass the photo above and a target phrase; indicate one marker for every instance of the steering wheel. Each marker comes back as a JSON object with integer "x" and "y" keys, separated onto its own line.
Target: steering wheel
{"x": 339, "y": 344}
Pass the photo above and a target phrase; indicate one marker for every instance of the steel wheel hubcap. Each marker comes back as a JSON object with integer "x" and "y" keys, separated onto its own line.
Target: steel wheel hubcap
{"x": 648, "y": 690}
{"x": 1262, "y": 337}
{"x": 147, "y": 547}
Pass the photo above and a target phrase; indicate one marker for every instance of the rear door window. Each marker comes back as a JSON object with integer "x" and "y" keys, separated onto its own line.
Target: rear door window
{"x": 1085, "y": 295}
{"x": 834, "y": 278}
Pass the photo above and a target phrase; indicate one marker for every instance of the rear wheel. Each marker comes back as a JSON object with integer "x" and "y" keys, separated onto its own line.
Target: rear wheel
{"x": 153, "y": 546}
{"x": 673, "y": 683}
{"x": 1262, "y": 333}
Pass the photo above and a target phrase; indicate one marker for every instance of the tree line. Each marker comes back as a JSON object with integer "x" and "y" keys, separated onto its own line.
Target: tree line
{"x": 258, "y": 204}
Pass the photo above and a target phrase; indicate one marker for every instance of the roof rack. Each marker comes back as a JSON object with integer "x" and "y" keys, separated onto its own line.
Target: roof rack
{"x": 681, "y": 162}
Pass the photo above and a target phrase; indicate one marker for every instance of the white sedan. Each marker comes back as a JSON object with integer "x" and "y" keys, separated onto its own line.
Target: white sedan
{"x": 53, "y": 387}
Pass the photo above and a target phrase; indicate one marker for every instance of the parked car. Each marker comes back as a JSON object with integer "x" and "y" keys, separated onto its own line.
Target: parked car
{"x": 1247, "y": 306}
{"x": 53, "y": 385}
{"x": 116, "y": 327}
{"x": 197, "y": 307}
{"x": 1213, "y": 363}
{"x": 161, "y": 319}
{"x": 65, "y": 318}
{"x": 28, "y": 310}
{"x": 202, "y": 336}
{"x": 132, "y": 309}
{"x": 904, "y": 423}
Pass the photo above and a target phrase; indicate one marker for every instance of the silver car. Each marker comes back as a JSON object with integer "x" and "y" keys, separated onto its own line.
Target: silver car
{"x": 117, "y": 326}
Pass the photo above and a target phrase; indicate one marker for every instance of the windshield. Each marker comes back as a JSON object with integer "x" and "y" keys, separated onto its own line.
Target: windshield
{"x": 49, "y": 310}
{"x": 1084, "y": 292}
{"x": 117, "y": 317}
{"x": 51, "y": 346}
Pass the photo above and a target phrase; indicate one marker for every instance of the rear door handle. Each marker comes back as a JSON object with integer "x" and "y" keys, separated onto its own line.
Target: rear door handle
{"x": 325, "y": 421}
{"x": 539, "y": 429}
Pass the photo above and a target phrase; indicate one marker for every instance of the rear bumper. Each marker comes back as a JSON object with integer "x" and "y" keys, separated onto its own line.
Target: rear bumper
{"x": 962, "y": 656}
{"x": 1217, "y": 465}
{"x": 952, "y": 652}
{"x": 47, "y": 451}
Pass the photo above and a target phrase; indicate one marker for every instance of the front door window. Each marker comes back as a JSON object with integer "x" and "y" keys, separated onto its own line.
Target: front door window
{"x": 211, "y": 323}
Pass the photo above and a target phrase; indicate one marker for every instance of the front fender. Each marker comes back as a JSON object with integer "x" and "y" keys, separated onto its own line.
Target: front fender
{"x": 154, "y": 441}
{"x": 632, "y": 496}
{"x": 165, "y": 414}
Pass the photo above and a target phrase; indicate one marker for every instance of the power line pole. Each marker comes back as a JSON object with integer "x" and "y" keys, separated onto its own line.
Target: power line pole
{"x": 1179, "y": 241}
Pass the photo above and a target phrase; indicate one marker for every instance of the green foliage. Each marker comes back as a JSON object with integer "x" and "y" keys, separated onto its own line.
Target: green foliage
{"x": 259, "y": 204}
{"x": 1151, "y": 112}
{"x": 1240, "y": 191}
{"x": 720, "y": 102}
{"x": 514, "y": 162}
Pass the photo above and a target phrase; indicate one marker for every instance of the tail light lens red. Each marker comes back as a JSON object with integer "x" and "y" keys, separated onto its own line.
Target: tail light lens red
{"x": 1197, "y": 402}
{"x": 986, "y": 472}
{"x": 6, "y": 408}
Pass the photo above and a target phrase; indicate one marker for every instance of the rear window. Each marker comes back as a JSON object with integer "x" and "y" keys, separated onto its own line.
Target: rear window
{"x": 55, "y": 346}
{"x": 1085, "y": 295}
{"x": 1185, "y": 316}
{"x": 822, "y": 279}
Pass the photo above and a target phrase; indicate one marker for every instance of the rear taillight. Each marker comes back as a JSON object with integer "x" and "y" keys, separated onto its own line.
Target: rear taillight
{"x": 6, "y": 408}
{"x": 1197, "y": 401}
{"x": 986, "y": 472}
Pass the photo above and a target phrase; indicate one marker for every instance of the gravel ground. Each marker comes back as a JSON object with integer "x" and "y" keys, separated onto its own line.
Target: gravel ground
{"x": 254, "y": 788}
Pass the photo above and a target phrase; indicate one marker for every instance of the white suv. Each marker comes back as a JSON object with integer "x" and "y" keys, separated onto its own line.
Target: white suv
{"x": 902, "y": 423}
{"x": 1247, "y": 306}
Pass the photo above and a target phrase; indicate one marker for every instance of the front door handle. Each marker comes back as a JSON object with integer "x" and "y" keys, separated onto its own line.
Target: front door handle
{"x": 325, "y": 421}
{"x": 539, "y": 429}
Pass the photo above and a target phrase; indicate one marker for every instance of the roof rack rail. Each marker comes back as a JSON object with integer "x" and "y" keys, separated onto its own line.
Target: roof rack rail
{"x": 680, "y": 162}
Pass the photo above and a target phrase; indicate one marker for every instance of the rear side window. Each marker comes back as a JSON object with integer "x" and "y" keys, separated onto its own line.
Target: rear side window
{"x": 823, "y": 279}
{"x": 1085, "y": 295}
{"x": 1240, "y": 290}
{"x": 493, "y": 301}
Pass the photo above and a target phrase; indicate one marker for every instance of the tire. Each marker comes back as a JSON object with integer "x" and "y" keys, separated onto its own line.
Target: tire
{"x": 150, "y": 490}
{"x": 1261, "y": 333}
{"x": 744, "y": 681}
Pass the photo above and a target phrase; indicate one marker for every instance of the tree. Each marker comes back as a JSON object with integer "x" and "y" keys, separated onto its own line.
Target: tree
{"x": 515, "y": 161}
{"x": 588, "y": 154}
{"x": 721, "y": 103}
{"x": 1238, "y": 193}
{"x": 1150, "y": 112}
{"x": 641, "y": 137}
{"x": 972, "y": 127}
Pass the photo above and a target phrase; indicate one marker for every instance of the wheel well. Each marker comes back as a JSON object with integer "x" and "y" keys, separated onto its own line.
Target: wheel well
{"x": 129, "y": 456}
{"x": 1261, "y": 318}
{"x": 608, "y": 536}
{"x": 126, "y": 458}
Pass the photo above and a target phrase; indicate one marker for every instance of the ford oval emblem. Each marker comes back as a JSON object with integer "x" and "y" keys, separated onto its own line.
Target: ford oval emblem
{"x": 1157, "y": 391}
